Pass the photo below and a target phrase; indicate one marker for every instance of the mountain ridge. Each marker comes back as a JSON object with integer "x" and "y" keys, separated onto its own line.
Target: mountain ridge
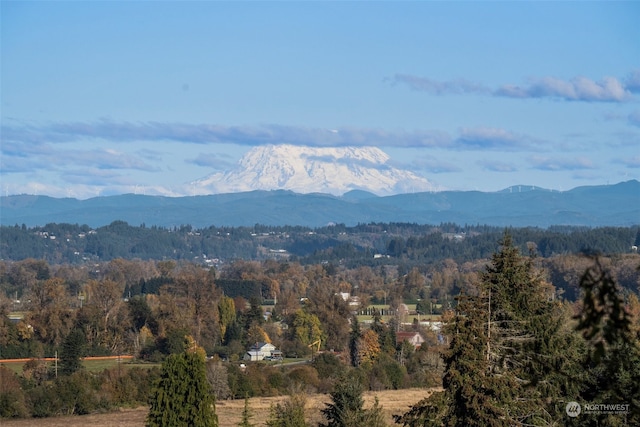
{"x": 610, "y": 205}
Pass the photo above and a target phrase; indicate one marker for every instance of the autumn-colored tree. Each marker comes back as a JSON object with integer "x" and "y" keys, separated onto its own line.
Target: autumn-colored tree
{"x": 26, "y": 273}
{"x": 130, "y": 272}
{"x": 368, "y": 347}
{"x": 190, "y": 303}
{"x": 305, "y": 327}
{"x": 198, "y": 297}
{"x": 333, "y": 313}
{"x": 105, "y": 297}
{"x": 49, "y": 313}
{"x": 166, "y": 267}
{"x": 142, "y": 320}
{"x": 288, "y": 302}
{"x": 226, "y": 313}
{"x": 256, "y": 334}
{"x": 218, "y": 378}
{"x": 413, "y": 283}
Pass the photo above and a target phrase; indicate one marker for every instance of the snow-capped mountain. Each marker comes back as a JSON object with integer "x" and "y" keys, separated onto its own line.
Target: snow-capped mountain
{"x": 314, "y": 170}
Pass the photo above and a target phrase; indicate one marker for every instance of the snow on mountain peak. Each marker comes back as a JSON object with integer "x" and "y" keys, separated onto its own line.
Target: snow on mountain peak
{"x": 333, "y": 170}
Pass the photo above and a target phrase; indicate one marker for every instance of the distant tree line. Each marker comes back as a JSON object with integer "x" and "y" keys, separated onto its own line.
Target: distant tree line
{"x": 398, "y": 243}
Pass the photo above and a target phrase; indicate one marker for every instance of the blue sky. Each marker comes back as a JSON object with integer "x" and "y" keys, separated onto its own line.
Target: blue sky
{"x": 101, "y": 98}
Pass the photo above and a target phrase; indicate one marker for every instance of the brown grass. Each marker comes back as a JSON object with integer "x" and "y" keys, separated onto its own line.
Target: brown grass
{"x": 230, "y": 411}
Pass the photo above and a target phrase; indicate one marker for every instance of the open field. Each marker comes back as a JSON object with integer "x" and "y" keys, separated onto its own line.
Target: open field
{"x": 92, "y": 364}
{"x": 230, "y": 411}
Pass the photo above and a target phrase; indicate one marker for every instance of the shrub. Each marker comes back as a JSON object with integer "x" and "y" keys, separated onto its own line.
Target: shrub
{"x": 12, "y": 399}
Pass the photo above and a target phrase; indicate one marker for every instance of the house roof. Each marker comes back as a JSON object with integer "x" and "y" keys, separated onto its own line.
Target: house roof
{"x": 401, "y": 335}
{"x": 260, "y": 345}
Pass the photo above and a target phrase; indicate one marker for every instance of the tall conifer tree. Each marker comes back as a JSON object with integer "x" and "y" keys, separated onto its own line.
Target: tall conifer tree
{"x": 183, "y": 397}
{"x": 511, "y": 361}
{"x": 612, "y": 360}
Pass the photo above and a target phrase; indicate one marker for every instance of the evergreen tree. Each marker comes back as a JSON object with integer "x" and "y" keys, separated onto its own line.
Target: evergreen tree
{"x": 183, "y": 397}
{"x": 374, "y": 417}
{"x": 71, "y": 352}
{"x": 511, "y": 361}
{"x": 476, "y": 397}
{"x": 354, "y": 339}
{"x": 472, "y": 396}
{"x": 347, "y": 406}
{"x": 527, "y": 342}
{"x": 612, "y": 359}
{"x": 254, "y": 314}
{"x": 288, "y": 414}
{"x": 429, "y": 412}
{"x": 246, "y": 414}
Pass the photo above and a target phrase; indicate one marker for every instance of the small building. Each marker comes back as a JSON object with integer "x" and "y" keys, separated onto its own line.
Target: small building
{"x": 253, "y": 356}
{"x": 414, "y": 338}
{"x": 259, "y": 351}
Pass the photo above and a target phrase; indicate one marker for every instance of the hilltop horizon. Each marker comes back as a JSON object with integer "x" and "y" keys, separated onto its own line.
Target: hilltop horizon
{"x": 358, "y": 192}
{"x": 612, "y": 205}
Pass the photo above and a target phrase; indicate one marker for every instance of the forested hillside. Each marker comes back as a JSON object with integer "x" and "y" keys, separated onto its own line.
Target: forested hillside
{"x": 346, "y": 298}
{"x": 364, "y": 244}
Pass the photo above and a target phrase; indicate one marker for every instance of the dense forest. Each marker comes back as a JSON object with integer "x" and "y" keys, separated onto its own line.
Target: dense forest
{"x": 398, "y": 243}
{"x": 343, "y": 298}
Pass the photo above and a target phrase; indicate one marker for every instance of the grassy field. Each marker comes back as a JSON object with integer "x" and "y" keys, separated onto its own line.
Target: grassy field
{"x": 91, "y": 365}
{"x": 230, "y": 411}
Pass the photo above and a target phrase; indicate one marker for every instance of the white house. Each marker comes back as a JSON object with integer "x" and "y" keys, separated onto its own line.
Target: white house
{"x": 259, "y": 351}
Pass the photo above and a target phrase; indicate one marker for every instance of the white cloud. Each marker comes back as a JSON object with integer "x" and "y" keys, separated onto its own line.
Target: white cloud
{"x": 431, "y": 164}
{"x": 119, "y": 132}
{"x": 609, "y": 89}
{"x": 632, "y": 82}
{"x": 212, "y": 160}
{"x": 486, "y": 138}
{"x": 497, "y": 166}
{"x": 435, "y": 87}
{"x": 560, "y": 164}
{"x": 631, "y": 162}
